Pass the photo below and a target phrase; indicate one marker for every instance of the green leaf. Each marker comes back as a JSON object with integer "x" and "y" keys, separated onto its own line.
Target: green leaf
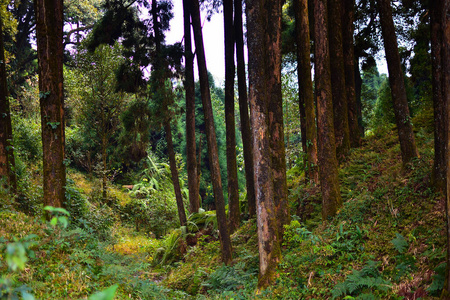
{"x": 107, "y": 294}
{"x": 53, "y": 221}
{"x": 400, "y": 243}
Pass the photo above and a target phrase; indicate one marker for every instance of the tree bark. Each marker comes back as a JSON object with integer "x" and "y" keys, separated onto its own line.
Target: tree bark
{"x": 440, "y": 13}
{"x": 305, "y": 89}
{"x": 233, "y": 189}
{"x": 439, "y": 104}
{"x": 397, "y": 84}
{"x": 275, "y": 113}
{"x": 259, "y": 93}
{"x": 160, "y": 66}
{"x": 189, "y": 85}
{"x": 49, "y": 38}
{"x": 328, "y": 165}
{"x": 7, "y": 162}
{"x": 211, "y": 135}
{"x": 348, "y": 17}
{"x": 338, "y": 88}
{"x": 243, "y": 109}
{"x": 174, "y": 174}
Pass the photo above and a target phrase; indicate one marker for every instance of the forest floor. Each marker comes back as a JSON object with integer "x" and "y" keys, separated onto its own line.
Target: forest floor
{"x": 387, "y": 242}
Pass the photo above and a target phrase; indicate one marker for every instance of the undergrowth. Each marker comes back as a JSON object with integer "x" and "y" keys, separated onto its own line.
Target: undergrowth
{"x": 387, "y": 241}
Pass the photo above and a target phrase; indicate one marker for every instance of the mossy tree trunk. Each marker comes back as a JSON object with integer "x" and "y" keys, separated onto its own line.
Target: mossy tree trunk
{"x": 305, "y": 89}
{"x": 225, "y": 241}
{"x": 49, "y": 39}
{"x": 440, "y": 43}
{"x": 338, "y": 88}
{"x": 328, "y": 165}
{"x": 7, "y": 162}
{"x": 259, "y": 94}
{"x": 243, "y": 109}
{"x": 174, "y": 174}
{"x": 233, "y": 189}
{"x": 348, "y": 17}
{"x": 191, "y": 158}
{"x": 272, "y": 76}
{"x": 439, "y": 104}
{"x": 159, "y": 72}
{"x": 397, "y": 84}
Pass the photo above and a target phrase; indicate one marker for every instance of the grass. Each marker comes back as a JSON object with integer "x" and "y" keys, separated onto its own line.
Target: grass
{"x": 387, "y": 242}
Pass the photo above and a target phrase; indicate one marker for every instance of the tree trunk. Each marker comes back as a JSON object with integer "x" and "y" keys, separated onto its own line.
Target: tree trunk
{"x": 305, "y": 89}
{"x": 439, "y": 104}
{"x": 328, "y": 165}
{"x": 275, "y": 113}
{"x": 49, "y": 38}
{"x": 348, "y": 17}
{"x": 397, "y": 84}
{"x": 194, "y": 202}
{"x": 233, "y": 189}
{"x": 7, "y": 162}
{"x": 243, "y": 109}
{"x": 174, "y": 174}
{"x": 104, "y": 165}
{"x": 358, "y": 87}
{"x": 440, "y": 13}
{"x": 211, "y": 135}
{"x": 338, "y": 89}
{"x": 268, "y": 238}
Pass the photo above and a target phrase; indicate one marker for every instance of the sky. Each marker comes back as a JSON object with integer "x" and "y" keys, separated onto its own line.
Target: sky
{"x": 212, "y": 37}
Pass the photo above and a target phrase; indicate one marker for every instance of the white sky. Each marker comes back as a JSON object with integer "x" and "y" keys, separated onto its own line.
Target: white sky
{"x": 212, "y": 37}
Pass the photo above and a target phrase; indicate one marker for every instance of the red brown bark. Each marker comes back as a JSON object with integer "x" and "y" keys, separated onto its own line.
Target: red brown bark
{"x": 338, "y": 88}
{"x": 259, "y": 94}
{"x": 328, "y": 165}
{"x": 233, "y": 190}
{"x": 49, "y": 39}
{"x": 7, "y": 162}
{"x": 191, "y": 158}
{"x": 243, "y": 109}
{"x": 348, "y": 17}
{"x": 225, "y": 241}
{"x": 305, "y": 89}
{"x": 397, "y": 84}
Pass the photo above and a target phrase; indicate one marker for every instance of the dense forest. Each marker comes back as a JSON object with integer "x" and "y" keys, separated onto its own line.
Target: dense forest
{"x": 307, "y": 173}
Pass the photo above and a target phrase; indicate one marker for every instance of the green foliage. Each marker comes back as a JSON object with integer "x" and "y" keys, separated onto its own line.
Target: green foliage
{"x": 437, "y": 285}
{"x": 400, "y": 243}
{"x": 368, "y": 283}
{"x": 107, "y": 294}
{"x": 228, "y": 278}
{"x": 170, "y": 248}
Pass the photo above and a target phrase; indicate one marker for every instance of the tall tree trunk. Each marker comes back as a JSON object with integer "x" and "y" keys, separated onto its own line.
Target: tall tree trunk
{"x": 174, "y": 174}
{"x": 160, "y": 66}
{"x": 7, "y": 162}
{"x": 338, "y": 88}
{"x": 397, "y": 84}
{"x": 243, "y": 109}
{"x": 259, "y": 93}
{"x": 358, "y": 87}
{"x": 104, "y": 146}
{"x": 189, "y": 86}
{"x": 328, "y": 165}
{"x": 233, "y": 189}
{"x": 305, "y": 89}
{"x": 440, "y": 13}
{"x": 275, "y": 112}
{"x": 348, "y": 17}
{"x": 49, "y": 38}
{"x": 211, "y": 135}
{"x": 439, "y": 104}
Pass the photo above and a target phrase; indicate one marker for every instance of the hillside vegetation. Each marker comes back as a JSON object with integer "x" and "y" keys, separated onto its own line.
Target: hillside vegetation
{"x": 387, "y": 242}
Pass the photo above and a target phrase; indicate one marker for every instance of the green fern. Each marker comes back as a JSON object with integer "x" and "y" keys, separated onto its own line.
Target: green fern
{"x": 362, "y": 284}
{"x": 400, "y": 243}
